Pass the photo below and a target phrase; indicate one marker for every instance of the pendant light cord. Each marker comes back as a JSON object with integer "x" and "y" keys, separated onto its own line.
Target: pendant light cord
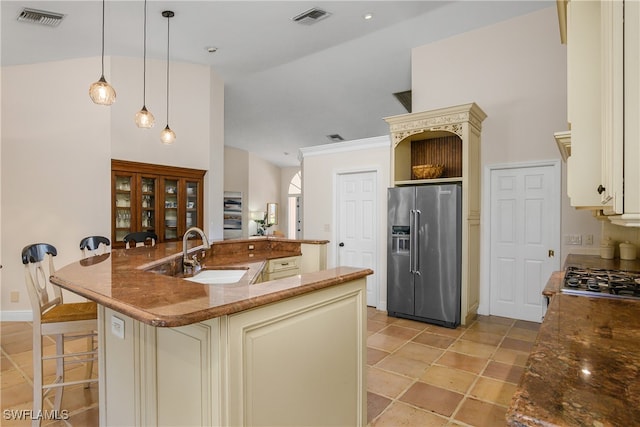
{"x": 168, "y": 18}
{"x": 103, "y": 38}
{"x": 144, "y": 59}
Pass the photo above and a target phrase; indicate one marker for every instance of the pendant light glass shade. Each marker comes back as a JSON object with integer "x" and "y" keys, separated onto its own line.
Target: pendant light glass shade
{"x": 101, "y": 92}
{"x": 167, "y": 136}
{"x": 144, "y": 118}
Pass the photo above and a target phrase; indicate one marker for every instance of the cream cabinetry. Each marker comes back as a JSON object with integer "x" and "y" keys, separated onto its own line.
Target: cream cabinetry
{"x": 281, "y": 267}
{"x": 314, "y": 257}
{"x": 448, "y": 136}
{"x": 284, "y": 363}
{"x": 584, "y": 103}
{"x": 603, "y": 113}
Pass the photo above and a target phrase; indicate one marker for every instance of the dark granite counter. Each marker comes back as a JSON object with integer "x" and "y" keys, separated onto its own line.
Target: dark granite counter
{"x": 124, "y": 280}
{"x": 584, "y": 369}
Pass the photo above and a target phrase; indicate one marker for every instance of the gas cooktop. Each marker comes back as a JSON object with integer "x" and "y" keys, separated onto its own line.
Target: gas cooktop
{"x": 601, "y": 282}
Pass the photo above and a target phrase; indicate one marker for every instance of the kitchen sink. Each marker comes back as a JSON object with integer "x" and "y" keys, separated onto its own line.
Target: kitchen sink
{"x": 217, "y": 277}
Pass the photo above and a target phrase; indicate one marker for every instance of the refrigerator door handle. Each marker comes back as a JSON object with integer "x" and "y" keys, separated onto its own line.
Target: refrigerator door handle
{"x": 411, "y": 246}
{"x": 416, "y": 241}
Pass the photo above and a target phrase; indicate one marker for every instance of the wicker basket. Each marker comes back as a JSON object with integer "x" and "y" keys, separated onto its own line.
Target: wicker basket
{"x": 428, "y": 171}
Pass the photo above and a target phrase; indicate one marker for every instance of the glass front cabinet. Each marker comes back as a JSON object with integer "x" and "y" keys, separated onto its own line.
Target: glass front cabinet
{"x": 166, "y": 200}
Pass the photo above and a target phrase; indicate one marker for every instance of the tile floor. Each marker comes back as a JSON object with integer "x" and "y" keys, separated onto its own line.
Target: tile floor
{"x": 426, "y": 375}
{"x": 417, "y": 374}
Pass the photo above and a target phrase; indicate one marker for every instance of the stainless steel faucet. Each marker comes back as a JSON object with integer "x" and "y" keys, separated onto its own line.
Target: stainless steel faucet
{"x": 192, "y": 265}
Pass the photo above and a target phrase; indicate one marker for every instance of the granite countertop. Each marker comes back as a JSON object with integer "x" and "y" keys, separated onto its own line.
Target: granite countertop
{"x": 122, "y": 281}
{"x": 584, "y": 369}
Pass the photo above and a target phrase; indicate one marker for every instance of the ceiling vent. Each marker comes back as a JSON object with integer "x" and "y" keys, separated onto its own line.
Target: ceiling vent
{"x": 50, "y": 19}
{"x": 311, "y": 16}
{"x": 404, "y": 98}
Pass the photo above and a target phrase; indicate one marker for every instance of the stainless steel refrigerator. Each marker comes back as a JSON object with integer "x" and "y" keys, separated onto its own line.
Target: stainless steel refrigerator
{"x": 424, "y": 253}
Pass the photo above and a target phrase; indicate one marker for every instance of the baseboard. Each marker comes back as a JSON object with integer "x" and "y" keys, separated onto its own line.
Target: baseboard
{"x": 16, "y": 316}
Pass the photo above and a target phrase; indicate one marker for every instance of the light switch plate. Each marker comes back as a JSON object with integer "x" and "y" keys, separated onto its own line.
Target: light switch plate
{"x": 117, "y": 327}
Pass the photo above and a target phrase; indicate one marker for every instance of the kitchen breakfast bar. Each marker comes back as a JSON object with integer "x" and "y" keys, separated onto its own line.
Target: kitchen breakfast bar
{"x": 257, "y": 351}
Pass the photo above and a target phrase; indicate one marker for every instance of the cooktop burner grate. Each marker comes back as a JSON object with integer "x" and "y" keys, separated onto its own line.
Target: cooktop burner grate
{"x": 601, "y": 282}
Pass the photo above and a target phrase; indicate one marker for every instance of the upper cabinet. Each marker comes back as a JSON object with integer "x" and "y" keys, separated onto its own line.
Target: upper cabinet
{"x": 603, "y": 96}
{"x": 166, "y": 200}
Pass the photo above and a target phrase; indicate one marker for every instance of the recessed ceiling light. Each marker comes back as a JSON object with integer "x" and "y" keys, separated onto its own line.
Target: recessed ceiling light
{"x": 211, "y": 49}
{"x": 367, "y": 16}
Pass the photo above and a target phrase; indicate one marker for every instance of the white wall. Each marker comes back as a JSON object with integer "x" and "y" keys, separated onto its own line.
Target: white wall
{"x": 57, "y": 147}
{"x": 320, "y": 166}
{"x": 516, "y": 72}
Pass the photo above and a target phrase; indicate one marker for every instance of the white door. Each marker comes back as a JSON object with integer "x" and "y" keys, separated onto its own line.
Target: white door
{"x": 525, "y": 216}
{"x": 357, "y": 219}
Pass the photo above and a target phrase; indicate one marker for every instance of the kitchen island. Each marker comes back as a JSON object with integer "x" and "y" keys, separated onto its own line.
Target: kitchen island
{"x": 175, "y": 352}
{"x": 584, "y": 369}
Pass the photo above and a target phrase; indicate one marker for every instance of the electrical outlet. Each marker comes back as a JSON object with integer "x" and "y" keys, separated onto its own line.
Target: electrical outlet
{"x": 588, "y": 239}
{"x": 117, "y": 327}
{"x": 15, "y": 296}
{"x": 573, "y": 239}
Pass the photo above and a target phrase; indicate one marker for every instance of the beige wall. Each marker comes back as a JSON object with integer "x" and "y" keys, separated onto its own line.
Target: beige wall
{"x": 236, "y": 178}
{"x": 286, "y": 175}
{"x": 516, "y": 72}
{"x": 57, "y": 147}
{"x": 259, "y": 182}
{"x": 320, "y": 167}
{"x": 264, "y": 187}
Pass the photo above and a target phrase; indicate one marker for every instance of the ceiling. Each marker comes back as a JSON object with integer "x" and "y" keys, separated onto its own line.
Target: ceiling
{"x": 287, "y": 85}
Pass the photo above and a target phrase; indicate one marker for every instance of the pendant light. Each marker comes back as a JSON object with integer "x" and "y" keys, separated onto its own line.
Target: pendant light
{"x": 101, "y": 92}
{"x": 167, "y": 136}
{"x": 144, "y": 118}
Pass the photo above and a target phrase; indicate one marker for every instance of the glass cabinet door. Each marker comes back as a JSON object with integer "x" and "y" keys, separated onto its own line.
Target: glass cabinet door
{"x": 170, "y": 209}
{"x": 123, "y": 210}
{"x": 148, "y": 202}
{"x": 192, "y": 204}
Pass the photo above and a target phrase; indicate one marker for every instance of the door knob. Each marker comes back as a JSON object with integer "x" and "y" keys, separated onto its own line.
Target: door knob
{"x": 341, "y": 244}
{"x": 552, "y": 253}
{"x": 600, "y": 189}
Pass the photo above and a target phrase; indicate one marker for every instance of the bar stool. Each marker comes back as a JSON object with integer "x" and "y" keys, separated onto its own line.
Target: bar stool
{"x": 90, "y": 245}
{"x": 140, "y": 238}
{"x": 51, "y": 317}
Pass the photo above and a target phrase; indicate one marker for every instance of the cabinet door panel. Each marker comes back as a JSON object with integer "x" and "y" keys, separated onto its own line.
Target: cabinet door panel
{"x": 123, "y": 219}
{"x": 170, "y": 190}
{"x": 148, "y": 203}
{"x": 583, "y": 86}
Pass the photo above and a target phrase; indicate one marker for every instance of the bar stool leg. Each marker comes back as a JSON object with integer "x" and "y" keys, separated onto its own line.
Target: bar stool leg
{"x": 59, "y": 371}
{"x": 89, "y": 367}
{"x": 37, "y": 378}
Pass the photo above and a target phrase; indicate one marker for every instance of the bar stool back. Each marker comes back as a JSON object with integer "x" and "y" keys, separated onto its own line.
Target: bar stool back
{"x": 51, "y": 317}
{"x": 140, "y": 238}
{"x": 90, "y": 245}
